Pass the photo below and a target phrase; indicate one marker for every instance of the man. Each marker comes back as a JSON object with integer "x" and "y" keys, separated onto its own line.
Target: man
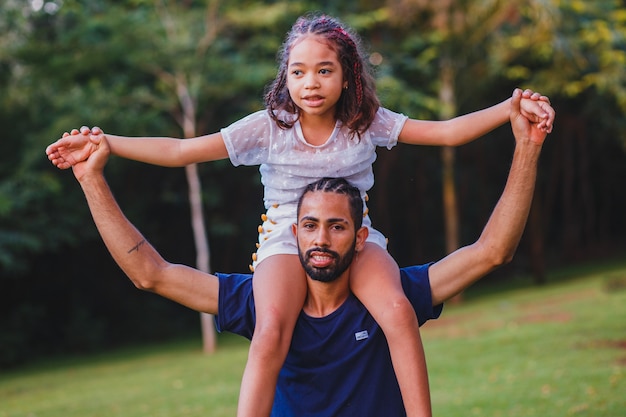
{"x": 338, "y": 363}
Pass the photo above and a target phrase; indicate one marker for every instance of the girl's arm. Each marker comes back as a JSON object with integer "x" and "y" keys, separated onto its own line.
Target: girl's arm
{"x": 466, "y": 128}
{"x": 77, "y": 146}
{"x": 169, "y": 152}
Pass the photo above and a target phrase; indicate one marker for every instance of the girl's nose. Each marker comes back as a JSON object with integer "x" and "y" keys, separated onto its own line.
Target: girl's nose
{"x": 311, "y": 81}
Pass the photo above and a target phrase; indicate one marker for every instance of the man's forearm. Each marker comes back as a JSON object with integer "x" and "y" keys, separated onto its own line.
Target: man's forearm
{"x": 501, "y": 235}
{"x": 139, "y": 260}
{"x": 506, "y": 225}
{"x": 129, "y": 248}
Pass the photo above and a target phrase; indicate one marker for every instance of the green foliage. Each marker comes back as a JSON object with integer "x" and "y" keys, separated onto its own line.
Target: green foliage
{"x": 115, "y": 64}
{"x": 20, "y": 221}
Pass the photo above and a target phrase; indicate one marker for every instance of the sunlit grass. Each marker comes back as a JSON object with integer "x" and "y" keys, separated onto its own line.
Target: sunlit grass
{"x": 557, "y": 350}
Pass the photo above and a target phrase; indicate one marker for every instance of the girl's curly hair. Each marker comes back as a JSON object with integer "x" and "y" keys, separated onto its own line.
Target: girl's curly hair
{"x": 358, "y": 103}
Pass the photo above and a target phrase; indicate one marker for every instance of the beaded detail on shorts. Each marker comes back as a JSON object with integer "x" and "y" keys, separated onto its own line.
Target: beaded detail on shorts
{"x": 275, "y": 225}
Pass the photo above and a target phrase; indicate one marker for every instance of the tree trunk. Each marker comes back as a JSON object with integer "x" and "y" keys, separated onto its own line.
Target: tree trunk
{"x": 535, "y": 242}
{"x": 201, "y": 240}
{"x": 448, "y": 156}
{"x": 202, "y": 250}
{"x": 450, "y": 204}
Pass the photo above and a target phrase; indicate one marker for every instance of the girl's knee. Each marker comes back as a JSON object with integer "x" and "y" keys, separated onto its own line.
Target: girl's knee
{"x": 271, "y": 335}
{"x": 399, "y": 312}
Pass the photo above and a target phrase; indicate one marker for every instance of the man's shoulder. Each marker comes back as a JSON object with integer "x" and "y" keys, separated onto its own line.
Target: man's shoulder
{"x": 416, "y": 285}
{"x": 416, "y": 270}
{"x": 235, "y": 312}
{"x": 235, "y": 279}
{"x": 415, "y": 276}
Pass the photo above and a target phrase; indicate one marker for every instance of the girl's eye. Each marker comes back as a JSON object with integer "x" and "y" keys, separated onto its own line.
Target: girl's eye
{"x": 324, "y": 71}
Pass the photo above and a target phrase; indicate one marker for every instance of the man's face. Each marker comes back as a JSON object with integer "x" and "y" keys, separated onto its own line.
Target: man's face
{"x": 325, "y": 234}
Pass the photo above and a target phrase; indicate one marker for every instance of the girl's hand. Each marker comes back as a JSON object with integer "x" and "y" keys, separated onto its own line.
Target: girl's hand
{"x": 96, "y": 161}
{"x": 73, "y": 147}
{"x": 537, "y": 109}
{"x": 524, "y": 129}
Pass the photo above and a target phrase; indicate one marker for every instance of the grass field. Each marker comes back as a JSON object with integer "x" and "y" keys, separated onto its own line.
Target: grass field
{"x": 551, "y": 351}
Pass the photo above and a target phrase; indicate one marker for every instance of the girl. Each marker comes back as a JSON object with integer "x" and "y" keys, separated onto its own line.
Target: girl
{"x": 322, "y": 119}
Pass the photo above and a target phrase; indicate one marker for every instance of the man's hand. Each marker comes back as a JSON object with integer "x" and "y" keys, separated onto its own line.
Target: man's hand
{"x": 527, "y": 129}
{"x": 99, "y": 154}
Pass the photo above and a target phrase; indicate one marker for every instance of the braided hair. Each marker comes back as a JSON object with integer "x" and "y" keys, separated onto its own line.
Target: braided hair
{"x": 338, "y": 186}
{"x": 358, "y": 103}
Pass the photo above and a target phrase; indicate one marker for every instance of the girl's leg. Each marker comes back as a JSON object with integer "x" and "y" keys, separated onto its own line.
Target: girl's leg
{"x": 375, "y": 280}
{"x": 279, "y": 286}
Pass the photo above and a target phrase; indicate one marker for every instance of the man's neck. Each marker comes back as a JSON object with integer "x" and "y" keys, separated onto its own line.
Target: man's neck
{"x": 323, "y": 298}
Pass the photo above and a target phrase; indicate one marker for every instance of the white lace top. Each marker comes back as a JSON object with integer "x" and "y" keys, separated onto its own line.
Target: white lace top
{"x": 288, "y": 163}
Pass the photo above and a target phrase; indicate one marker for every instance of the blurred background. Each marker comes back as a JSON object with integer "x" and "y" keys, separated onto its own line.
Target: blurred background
{"x": 185, "y": 68}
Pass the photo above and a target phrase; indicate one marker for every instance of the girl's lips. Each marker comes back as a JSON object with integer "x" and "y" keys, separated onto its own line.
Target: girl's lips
{"x": 313, "y": 101}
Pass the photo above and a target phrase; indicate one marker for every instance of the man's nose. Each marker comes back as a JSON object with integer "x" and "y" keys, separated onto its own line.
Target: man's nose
{"x": 322, "y": 238}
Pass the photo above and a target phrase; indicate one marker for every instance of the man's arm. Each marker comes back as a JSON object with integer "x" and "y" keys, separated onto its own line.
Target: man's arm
{"x": 132, "y": 252}
{"x": 503, "y": 231}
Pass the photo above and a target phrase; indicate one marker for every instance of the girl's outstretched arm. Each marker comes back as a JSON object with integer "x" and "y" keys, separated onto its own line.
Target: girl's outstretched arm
{"x": 463, "y": 129}
{"x": 76, "y": 146}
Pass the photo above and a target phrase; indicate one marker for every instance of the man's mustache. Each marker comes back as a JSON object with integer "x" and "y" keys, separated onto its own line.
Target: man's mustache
{"x": 334, "y": 254}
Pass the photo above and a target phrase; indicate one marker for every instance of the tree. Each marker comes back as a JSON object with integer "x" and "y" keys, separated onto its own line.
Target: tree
{"x": 184, "y": 81}
{"x": 185, "y": 44}
{"x": 115, "y": 65}
{"x": 468, "y": 47}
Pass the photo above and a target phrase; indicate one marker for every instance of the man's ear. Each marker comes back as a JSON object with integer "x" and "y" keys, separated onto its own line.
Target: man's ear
{"x": 361, "y": 237}
{"x": 294, "y": 229}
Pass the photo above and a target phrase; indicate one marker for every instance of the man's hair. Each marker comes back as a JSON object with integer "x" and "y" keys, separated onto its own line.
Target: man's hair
{"x": 338, "y": 186}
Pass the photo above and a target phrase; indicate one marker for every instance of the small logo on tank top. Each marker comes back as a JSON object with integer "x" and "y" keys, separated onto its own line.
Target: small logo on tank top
{"x": 362, "y": 335}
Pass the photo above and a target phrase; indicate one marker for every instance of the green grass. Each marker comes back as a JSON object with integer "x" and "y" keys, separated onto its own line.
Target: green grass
{"x": 557, "y": 350}
{"x": 171, "y": 380}
{"x": 552, "y": 351}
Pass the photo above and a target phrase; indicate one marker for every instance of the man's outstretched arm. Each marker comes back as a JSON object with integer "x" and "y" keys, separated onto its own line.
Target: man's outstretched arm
{"x": 132, "y": 252}
{"x": 505, "y": 227}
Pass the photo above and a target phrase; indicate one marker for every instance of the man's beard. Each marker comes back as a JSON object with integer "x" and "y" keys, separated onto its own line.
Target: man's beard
{"x": 331, "y": 272}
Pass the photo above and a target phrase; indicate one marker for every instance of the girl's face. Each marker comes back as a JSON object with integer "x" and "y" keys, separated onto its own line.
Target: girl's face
{"x": 314, "y": 77}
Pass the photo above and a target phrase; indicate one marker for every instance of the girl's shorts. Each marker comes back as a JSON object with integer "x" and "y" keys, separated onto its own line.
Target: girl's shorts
{"x": 276, "y": 236}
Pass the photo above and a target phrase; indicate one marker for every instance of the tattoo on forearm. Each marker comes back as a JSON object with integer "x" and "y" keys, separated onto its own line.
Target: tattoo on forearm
{"x": 137, "y": 246}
